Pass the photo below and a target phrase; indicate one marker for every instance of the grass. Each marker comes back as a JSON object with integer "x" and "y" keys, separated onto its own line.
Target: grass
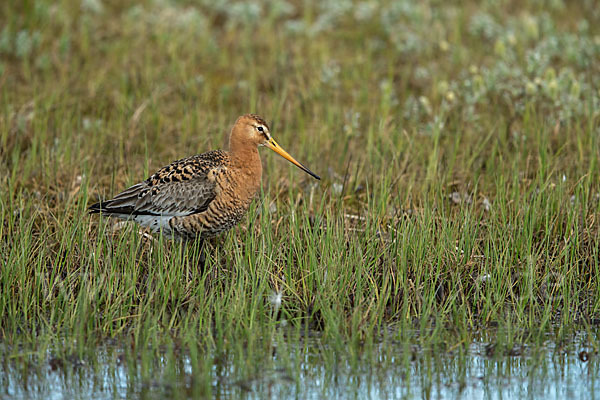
{"x": 458, "y": 146}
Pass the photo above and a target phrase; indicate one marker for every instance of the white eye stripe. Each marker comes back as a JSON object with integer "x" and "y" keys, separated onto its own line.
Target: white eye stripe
{"x": 264, "y": 130}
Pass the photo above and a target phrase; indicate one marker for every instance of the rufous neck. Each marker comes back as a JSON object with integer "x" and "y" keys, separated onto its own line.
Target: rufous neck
{"x": 245, "y": 153}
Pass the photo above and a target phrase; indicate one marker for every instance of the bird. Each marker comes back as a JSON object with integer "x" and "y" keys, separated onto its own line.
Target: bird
{"x": 201, "y": 196}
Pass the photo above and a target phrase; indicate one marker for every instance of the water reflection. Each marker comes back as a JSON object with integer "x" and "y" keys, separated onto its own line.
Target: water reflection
{"x": 312, "y": 371}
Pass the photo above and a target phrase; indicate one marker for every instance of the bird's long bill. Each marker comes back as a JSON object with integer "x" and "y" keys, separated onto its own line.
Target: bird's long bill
{"x": 272, "y": 144}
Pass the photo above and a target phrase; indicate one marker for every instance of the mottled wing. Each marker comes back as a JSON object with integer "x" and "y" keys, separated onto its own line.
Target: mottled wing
{"x": 181, "y": 188}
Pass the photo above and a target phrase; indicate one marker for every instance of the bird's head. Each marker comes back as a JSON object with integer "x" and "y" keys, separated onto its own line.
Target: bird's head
{"x": 252, "y": 130}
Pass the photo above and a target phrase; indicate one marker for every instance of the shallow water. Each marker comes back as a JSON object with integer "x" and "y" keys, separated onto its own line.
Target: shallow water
{"x": 314, "y": 371}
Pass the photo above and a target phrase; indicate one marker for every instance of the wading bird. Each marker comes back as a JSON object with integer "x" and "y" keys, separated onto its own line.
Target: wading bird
{"x": 203, "y": 195}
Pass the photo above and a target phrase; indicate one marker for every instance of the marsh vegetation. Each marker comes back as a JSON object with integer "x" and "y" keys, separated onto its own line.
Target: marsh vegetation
{"x": 458, "y": 213}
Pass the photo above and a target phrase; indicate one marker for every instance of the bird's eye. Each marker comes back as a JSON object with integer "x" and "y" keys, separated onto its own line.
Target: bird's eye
{"x": 260, "y": 129}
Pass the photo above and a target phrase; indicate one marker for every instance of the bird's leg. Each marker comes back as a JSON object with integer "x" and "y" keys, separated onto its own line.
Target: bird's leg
{"x": 199, "y": 244}
{"x": 193, "y": 260}
{"x": 202, "y": 255}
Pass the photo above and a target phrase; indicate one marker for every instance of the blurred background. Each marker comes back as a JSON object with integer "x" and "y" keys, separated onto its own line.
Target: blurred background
{"x": 433, "y": 90}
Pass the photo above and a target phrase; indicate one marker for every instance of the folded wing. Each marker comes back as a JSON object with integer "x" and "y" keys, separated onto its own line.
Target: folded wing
{"x": 181, "y": 188}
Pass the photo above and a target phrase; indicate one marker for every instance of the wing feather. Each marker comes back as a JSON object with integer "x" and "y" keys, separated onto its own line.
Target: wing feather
{"x": 180, "y": 188}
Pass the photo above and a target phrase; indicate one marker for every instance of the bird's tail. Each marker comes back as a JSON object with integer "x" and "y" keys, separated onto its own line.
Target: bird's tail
{"x": 125, "y": 203}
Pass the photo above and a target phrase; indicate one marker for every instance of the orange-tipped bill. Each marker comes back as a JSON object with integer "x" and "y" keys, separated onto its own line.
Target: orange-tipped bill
{"x": 272, "y": 144}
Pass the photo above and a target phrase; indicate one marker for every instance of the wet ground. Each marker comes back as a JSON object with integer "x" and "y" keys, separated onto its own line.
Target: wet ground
{"x": 313, "y": 370}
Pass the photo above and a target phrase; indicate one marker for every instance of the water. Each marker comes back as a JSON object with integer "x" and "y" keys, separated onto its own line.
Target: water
{"x": 313, "y": 371}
